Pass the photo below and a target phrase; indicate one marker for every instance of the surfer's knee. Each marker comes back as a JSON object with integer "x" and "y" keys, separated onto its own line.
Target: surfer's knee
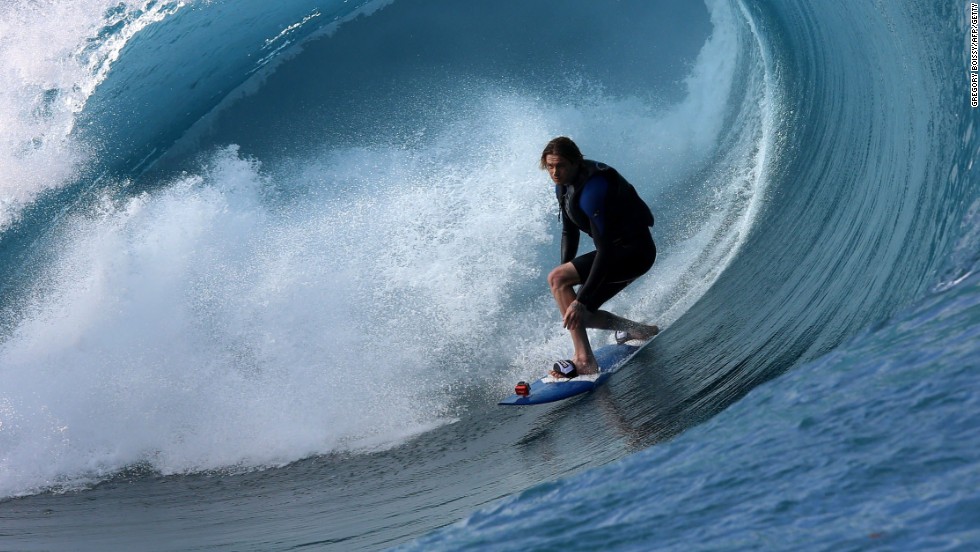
{"x": 562, "y": 277}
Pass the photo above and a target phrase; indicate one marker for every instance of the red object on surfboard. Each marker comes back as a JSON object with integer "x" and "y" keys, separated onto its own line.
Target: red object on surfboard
{"x": 522, "y": 389}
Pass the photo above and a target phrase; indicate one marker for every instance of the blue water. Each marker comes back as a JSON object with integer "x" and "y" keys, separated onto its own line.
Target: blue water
{"x": 267, "y": 268}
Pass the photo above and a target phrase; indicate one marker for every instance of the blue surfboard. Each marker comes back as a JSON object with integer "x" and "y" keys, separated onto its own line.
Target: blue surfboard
{"x": 548, "y": 389}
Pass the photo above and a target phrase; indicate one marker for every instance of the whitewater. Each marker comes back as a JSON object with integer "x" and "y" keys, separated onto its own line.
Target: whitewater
{"x": 265, "y": 270}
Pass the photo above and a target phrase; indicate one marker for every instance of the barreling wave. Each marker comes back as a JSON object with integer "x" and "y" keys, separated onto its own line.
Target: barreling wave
{"x": 232, "y": 233}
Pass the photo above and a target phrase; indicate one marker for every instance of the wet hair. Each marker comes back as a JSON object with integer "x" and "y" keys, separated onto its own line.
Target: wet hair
{"x": 562, "y": 146}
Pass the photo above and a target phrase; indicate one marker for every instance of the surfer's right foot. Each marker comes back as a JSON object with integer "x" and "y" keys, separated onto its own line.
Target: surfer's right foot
{"x": 568, "y": 369}
{"x": 564, "y": 369}
{"x": 586, "y": 368}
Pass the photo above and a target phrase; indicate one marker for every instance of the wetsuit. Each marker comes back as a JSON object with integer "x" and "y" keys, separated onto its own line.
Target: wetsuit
{"x": 605, "y": 206}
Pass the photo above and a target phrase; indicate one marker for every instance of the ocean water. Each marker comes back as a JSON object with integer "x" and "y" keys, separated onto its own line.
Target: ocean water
{"x": 266, "y": 268}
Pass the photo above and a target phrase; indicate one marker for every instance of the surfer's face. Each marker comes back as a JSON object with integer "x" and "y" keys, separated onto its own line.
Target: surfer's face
{"x": 560, "y": 169}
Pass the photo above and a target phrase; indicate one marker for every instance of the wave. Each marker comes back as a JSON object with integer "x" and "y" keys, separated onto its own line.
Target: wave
{"x": 289, "y": 257}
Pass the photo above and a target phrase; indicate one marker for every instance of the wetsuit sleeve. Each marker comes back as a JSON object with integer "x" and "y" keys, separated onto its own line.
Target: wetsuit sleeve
{"x": 569, "y": 239}
{"x": 594, "y": 203}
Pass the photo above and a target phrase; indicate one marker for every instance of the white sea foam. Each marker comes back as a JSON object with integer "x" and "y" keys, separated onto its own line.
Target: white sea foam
{"x": 194, "y": 330}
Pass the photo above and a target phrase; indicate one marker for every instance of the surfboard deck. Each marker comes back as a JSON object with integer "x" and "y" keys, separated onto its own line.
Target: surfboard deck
{"x": 548, "y": 389}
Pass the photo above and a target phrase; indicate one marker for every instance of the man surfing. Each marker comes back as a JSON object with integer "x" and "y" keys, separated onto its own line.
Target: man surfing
{"x": 594, "y": 198}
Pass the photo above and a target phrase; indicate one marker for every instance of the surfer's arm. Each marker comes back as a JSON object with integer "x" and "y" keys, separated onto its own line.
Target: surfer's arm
{"x": 594, "y": 204}
{"x": 600, "y": 268}
{"x": 569, "y": 239}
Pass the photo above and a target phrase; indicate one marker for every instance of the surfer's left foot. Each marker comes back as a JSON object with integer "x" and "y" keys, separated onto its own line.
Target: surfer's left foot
{"x": 643, "y": 334}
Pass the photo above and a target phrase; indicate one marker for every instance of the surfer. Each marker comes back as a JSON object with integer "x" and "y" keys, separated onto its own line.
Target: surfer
{"x": 594, "y": 198}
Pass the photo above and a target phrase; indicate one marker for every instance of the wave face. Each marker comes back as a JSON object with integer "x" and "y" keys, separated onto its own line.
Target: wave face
{"x": 309, "y": 236}
{"x": 871, "y": 222}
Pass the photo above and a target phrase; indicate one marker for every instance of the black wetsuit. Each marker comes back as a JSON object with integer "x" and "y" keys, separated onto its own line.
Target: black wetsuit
{"x": 605, "y": 206}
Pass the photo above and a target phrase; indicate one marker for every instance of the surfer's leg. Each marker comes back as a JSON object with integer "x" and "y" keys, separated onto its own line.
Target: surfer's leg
{"x": 629, "y": 262}
{"x": 605, "y": 320}
{"x": 561, "y": 280}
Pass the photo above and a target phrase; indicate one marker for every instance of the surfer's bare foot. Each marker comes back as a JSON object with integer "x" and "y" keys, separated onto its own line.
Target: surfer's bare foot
{"x": 581, "y": 368}
{"x": 586, "y": 367}
{"x": 638, "y": 333}
{"x": 647, "y": 332}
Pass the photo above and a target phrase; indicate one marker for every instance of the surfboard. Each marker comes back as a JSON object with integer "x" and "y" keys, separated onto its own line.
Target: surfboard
{"x": 548, "y": 389}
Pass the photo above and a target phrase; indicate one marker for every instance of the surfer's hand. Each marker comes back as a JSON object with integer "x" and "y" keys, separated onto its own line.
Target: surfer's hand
{"x": 574, "y": 315}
